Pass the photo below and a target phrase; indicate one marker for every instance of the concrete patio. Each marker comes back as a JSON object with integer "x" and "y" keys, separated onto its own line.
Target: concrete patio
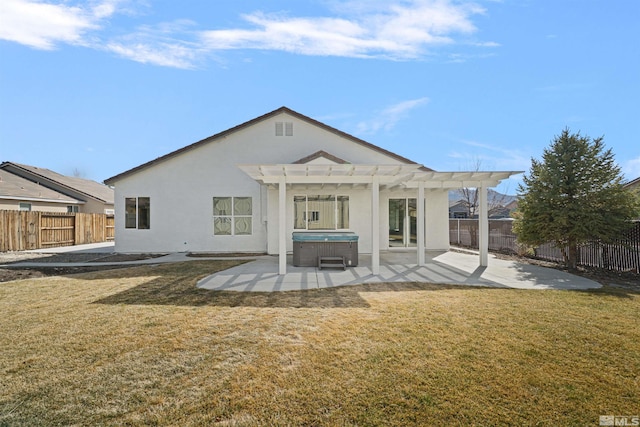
{"x": 450, "y": 267}
{"x": 260, "y": 274}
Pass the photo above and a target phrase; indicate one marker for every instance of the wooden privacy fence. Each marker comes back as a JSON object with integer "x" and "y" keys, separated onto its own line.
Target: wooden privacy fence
{"x": 622, "y": 255}
{"x": 21, "y": 230}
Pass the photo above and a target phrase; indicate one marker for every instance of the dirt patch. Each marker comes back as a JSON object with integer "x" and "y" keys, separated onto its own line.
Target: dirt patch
{"x": 13, "y": 258}
{"x": 128, "y": 257}
{"x": 9, "y": 274}
{"x": 20, "y": 273}
{"x": 225, "y": 254}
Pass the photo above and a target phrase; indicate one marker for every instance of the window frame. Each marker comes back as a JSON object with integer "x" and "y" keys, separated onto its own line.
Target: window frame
{"x": 284, "y": 129}
{"x": 141, "y": 213}
{"x": 233, "y": 215}
{"x": 313, "y": 215}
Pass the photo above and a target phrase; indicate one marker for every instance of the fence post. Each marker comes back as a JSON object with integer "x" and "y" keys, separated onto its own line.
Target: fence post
{"x": 39, "y": 222}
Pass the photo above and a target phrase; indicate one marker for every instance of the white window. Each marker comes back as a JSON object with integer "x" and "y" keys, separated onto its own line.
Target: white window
{"x": 72, "y": 209}
{"x": 232, "y": 216}
{"x": 25, "y": 207}
{"x": 321, "y": 212}
{"x": 137, "y": 213}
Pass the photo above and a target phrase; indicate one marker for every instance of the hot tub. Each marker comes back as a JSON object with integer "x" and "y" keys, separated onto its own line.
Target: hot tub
{"x": 308, "y": 247}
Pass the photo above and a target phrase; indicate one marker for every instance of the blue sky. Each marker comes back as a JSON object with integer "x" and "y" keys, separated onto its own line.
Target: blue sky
{"x": 103, "y": 86}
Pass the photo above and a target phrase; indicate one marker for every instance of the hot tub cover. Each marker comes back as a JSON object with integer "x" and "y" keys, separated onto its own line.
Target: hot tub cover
{"x": 325, "y": 237}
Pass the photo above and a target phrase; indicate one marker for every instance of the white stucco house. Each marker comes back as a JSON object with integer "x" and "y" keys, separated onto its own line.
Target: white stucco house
{"x": 248, "y": 188}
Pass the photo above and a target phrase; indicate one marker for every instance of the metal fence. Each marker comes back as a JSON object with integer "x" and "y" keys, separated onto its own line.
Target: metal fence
{"x": 622, "y": 255}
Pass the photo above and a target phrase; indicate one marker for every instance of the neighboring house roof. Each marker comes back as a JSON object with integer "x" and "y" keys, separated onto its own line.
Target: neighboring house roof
{"x": 498, "y": 209}
{"x": 78, "y": 188}
{"x": 633, "y": 183}
{"x": 512, "y": 205}
{"x": 458, "y": 204}
{"x": 252, "y": 122}
{"x": 14, "y": 187}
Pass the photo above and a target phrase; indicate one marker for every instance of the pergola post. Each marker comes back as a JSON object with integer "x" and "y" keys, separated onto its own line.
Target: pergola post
{"x": 375, "y": 225}
{"x": 421, "y": 223}
{"x": 282, "y": 225}
{"x": 483, "y": 220}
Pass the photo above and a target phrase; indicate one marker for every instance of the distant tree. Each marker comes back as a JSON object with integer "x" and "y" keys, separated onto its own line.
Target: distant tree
{"x": 469, "y": 195}
{"x": 470, "y": 198}
{"x": 575, "y": 194}
{"x": 496, "y": 202}
{"x": 77, "y": 173}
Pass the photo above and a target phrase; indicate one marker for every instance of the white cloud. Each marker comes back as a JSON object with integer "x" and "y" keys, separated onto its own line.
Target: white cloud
{"x": 43, "y": 25}
{"x": 490, "y": 157}
{"x": 401, "y": 30}
{"x": 165, "y": 54}
{"x": 390, "y": 116}
{"x": 159, "y": 45}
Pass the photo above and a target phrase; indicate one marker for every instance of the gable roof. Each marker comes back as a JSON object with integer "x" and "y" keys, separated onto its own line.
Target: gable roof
{"x": 252, "y": 122}
{"x": 320, "y": 155}
{"x": 78, "y": 188}
{"x": 15, "y": 187}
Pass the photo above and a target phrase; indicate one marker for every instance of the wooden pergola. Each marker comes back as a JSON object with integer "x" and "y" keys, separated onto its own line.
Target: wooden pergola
{"x": 375, "y": 178}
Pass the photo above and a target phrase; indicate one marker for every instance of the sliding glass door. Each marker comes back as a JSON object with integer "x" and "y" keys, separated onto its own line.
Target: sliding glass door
{"x": 402, "y": 223}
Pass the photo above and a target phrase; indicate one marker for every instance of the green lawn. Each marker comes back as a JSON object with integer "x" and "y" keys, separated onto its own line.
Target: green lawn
{"x": 143, "y": 346}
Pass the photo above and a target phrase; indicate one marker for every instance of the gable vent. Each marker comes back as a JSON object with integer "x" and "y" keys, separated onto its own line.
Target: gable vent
{"x": 284, "y": 128}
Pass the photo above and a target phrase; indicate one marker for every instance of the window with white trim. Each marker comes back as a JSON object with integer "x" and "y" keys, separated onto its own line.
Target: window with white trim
{"x": 25, "y": 207}
{"x": 321, "y": 212}
{"x": 137, "y": 213}
{"x": 232, "y": 216}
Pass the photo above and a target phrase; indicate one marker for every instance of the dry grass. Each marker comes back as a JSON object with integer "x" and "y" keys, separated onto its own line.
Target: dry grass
{"x": 143, "y": 346}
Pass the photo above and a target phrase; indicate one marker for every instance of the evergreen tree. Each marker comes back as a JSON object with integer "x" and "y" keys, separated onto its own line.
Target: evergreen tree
{"x": 575, "y": 194}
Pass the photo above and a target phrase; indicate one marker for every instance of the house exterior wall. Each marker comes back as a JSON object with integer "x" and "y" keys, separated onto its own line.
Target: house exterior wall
{"x": 437, "y": 220}
{"x": 36, "y": 206}
{"x": 91, "y": 206}
{"x": 94, "y": 206}
{"x": 181, "y": 189}
{"x": 359, "y": 214}
{"x": 436, "y": 216}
